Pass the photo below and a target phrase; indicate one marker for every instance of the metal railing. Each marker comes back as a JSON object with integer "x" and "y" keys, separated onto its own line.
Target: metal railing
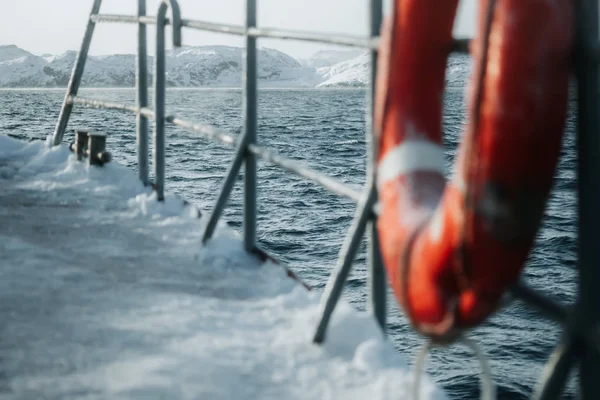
{"x": 581, "y": 338}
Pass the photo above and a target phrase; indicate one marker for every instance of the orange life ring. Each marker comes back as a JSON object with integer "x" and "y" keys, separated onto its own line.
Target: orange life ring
{"x": 452, "y": 249}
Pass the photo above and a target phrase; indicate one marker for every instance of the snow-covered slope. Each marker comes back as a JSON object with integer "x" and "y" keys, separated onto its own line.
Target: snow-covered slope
{"x": 21, "y": 68}
{"x": 102, "y": 71}
{"x": 106, "y": 293}
{"x": 355, "y": 72}
{"x": 11, "y": 52}
{"x": 187, "y": 66}
{"x": 203, "y": 66}
{"x": 350, "y": 73}
{"x": 327, "y": 58}
{"x": 222, "y": 66}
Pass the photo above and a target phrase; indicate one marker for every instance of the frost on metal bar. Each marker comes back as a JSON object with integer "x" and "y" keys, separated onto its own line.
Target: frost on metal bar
{"x": 332, "y": 184}
{"x": 342, "y": 40}
{"x": 214, "y": 27}
{"x": 371, "y": 43}
{"x": 210, "y": 132}
{"x": 118, "y": 18}
{"x": 205, "y": 130}
{"x": 109, "y": 105}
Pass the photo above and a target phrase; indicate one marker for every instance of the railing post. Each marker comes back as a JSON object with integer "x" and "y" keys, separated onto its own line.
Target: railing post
{"x": 76, "y": 73}
{"x": 232, "y": 174}
{"x": 142, "y": 97}
{"x": 158, "y": 152}
{"x": 588, "y": 145}
{"x": 377, "y": 279}
{"x": 557, "y": 370}
{"x": 335, "y": 285}
{"x": 250, "y": 110}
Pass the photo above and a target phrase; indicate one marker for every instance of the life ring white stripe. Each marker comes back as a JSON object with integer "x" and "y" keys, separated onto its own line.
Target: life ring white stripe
{"x": 411, "y": 156}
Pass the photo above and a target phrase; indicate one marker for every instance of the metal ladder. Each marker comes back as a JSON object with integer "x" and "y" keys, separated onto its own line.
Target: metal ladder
{"x": 581, "y": 336}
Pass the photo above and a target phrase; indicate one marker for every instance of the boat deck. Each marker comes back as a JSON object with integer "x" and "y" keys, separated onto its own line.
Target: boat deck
{"x": 106, "y": 293}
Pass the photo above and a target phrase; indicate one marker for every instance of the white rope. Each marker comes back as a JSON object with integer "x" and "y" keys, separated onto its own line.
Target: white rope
{"x": 488, "y": 389}
{"x": 420, "y": 361}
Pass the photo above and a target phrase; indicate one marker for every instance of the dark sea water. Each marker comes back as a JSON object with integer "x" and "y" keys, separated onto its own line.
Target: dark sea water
{"x": 304, "y": 226}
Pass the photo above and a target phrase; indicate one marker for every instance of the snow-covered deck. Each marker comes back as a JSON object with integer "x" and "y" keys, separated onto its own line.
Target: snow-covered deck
{"x": 105, "y": 293}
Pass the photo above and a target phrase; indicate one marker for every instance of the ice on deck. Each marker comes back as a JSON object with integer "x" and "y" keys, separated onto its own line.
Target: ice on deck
{"x": 105, "y": 293}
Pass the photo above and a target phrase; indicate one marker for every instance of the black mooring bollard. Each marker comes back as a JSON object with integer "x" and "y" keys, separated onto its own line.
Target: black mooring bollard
{"x": 97, "y": 149}
{"x": 81, "y": 142}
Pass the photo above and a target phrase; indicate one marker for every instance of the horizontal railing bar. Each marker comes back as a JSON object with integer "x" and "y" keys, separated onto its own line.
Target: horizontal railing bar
{"x": 205, "y": 130}
{"x": 343, "y": 40}
{"x": 459, "y": 45}
{"x": 118, "y": 18}
{"x": 102, "y": 104}
{"x": 547, "y": 306}
{"x": 210, "y": 132}
{"x": 214, "y": 27}
{"x": 124, "y": 19}
{"x": 327, "y": 182}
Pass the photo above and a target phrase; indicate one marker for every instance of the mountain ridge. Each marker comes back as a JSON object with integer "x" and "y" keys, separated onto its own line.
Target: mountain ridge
{"x": 195, "y": 66}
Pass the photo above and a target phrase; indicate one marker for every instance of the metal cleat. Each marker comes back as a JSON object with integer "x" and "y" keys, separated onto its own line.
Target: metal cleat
{"x": 97, "y": 153}
{"x": 79, "y": 146}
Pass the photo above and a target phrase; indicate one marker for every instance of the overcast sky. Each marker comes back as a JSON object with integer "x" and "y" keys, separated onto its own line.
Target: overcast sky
{"x": 54, "y": 26}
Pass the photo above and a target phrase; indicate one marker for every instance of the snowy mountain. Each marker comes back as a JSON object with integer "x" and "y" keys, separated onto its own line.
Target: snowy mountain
{"x": 187, "y": 66}
{"x": 20, "y": 66}
{"x": 222, "y": 66}
{"x": 349, "y": 73}
{"x": 327, "y": 58}
{"x": 114, "y": 70}
{"x": 355, "y": 72}
{"x": 217, "y": 66}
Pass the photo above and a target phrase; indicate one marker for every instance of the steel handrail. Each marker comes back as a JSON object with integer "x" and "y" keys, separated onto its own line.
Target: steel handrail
{"x": 577, "y": 327}
{"x": 209, "y": 132}
{"x": 458, "y": 46}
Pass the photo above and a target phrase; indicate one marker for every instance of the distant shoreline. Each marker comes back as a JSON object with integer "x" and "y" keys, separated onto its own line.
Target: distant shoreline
{"x": 207, "y": 88}
{"x": 179, "y": 88}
